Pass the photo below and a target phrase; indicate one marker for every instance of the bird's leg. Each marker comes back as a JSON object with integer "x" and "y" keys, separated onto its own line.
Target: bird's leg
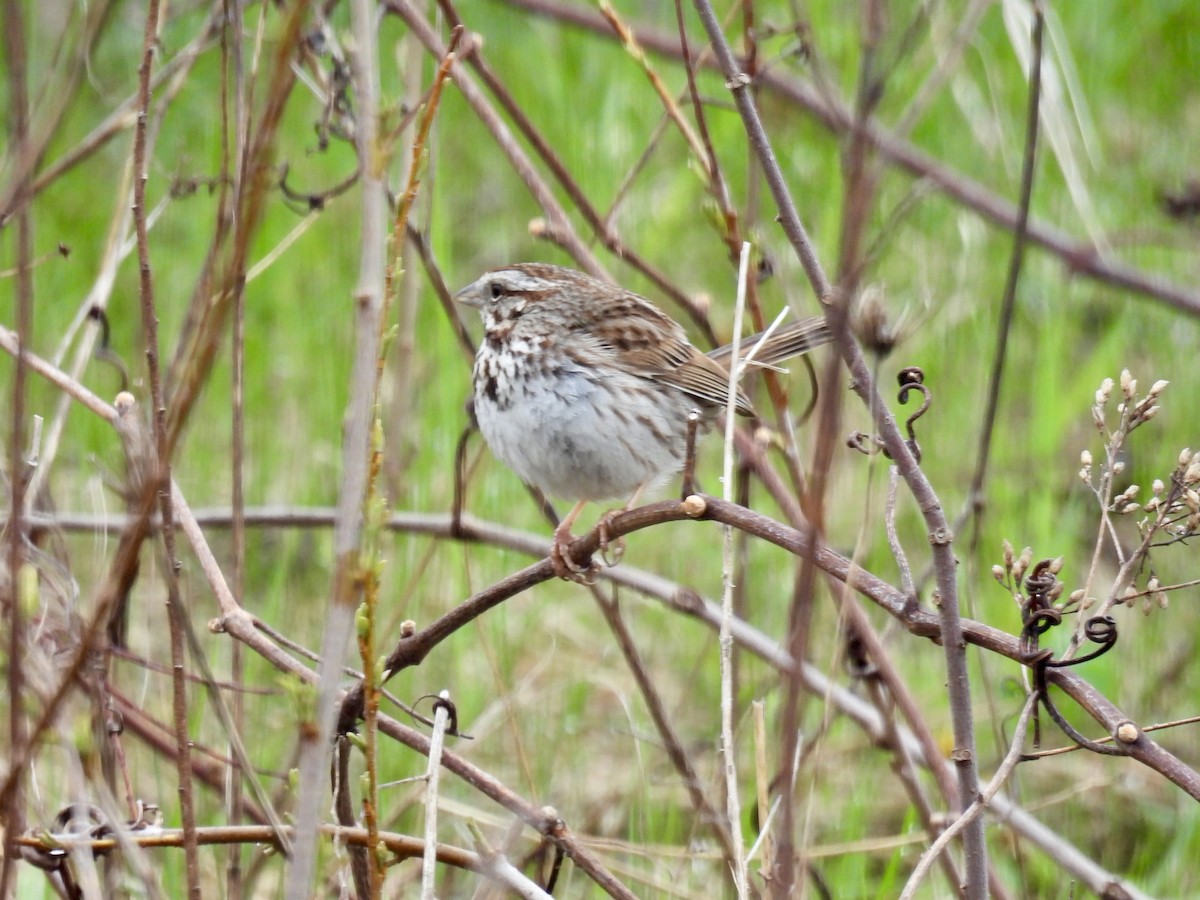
{"x": 618, "y": 545}
{"x": 560, "y": 557}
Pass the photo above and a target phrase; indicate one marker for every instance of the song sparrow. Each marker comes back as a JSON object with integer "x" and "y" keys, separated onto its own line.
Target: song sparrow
{"x": 584, "y": 389}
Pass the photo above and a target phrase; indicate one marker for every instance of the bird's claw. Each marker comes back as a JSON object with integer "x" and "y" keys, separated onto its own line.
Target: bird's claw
{"x": 607, "y": 543}
{"x": 565, "y": 566}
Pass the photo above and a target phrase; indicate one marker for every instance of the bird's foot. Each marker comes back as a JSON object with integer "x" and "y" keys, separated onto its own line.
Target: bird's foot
{"x": 565, "y": 567}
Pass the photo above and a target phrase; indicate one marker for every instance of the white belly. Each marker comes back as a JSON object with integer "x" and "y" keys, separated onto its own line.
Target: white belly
{"x": 569, "y": 435}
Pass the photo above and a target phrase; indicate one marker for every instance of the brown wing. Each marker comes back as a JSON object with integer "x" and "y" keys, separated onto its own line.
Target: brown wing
{"x": 787, "y": 341}
{"x": 639, "y": 338}
{"x": 706, "y": 380}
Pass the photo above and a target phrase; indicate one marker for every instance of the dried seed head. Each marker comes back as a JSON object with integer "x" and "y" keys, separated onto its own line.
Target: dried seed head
{"x": 1152, "y": 584}
{"x": 1157, "y": 486}
{"x": 1192, "y": 474}
{"x": 1086, "y": 457}
{"x": 1157, "y": 388}
{"x": 1185, "y": 456}
{"x": 1008, "y": 554}
{"x": 1075, "y": 596}
{"x": 1161, "y": 599}
{"x": 1056, "y": 591}
{"x": 1088, "y": 603}
{"x": 1129, "y": 595}
{"x": 998, "y": 573}
{"x": 1149, "y": 414}
{"x": 1118, "y": 467}
{"x": 1130, "y": 492}
{"x": 1104, "y": 392}
{"x": 1056, "y": 565}
{"x": 1128, "y": 384}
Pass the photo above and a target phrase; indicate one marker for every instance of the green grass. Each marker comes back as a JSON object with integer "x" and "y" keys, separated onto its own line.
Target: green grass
{"x": 539, "y": 682}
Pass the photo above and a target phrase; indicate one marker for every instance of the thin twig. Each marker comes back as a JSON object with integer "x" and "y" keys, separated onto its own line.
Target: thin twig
{"x": 402, "y": 845}
{"x": 1080, "y": 257}
{"x": 979, "y": 805}
{"x": 964, "y": 755}
{"x": 162, "y": 477}
{"x": 728, "y": 747}
{"x": 370, "y": 302}
{"x": 673, "y": 745}
{"x": 522, "y": 165}
{"x": 441, "y": 718}
{"x": 975, "y": 494}
{"x": 598, "y": 223}
{"x": 12, "y": 806}
{"x": 234, "y": 147}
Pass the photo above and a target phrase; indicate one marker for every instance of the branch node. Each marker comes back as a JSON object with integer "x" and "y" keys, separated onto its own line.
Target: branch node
{"x": 1127, "y": 732}
{"x": 941, "y": 536}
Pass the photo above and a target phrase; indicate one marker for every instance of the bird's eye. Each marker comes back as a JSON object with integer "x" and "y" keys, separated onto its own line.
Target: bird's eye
{"x": 496, "y": 290}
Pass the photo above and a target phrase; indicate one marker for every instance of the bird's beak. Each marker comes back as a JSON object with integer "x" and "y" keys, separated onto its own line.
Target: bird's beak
{"x": 471, "y": 295}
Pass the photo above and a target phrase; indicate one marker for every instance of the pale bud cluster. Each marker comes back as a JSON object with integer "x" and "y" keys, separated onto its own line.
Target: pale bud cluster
{"x": 1133, "y": 411}
{"x": 1153, "y": 596}
{"x": 1179, "y": 501}
{"x": 1126, "y": 502}
{"x": 1190, "y": 463}
{"x": 1011, "y": 573}
{"x": 1019, "y": 567}
{"x": 1079, "y": 598}
{"x": 1128, "y": 384}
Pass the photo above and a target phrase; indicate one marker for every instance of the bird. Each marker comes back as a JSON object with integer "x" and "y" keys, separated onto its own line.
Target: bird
{"x": 584, "y": 389}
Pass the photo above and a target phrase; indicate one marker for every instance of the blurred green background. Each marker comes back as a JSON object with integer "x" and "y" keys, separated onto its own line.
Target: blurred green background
{"x": 538, "y": 681}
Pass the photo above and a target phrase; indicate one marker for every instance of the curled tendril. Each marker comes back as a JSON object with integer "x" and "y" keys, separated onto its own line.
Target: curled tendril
{"x": 1039, "y": 615}
{"x": 1099, "y": 630}
{"x": 104, "y": 351}
{"x": 865, "y": 444}
{"x": 912, "y": 378}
